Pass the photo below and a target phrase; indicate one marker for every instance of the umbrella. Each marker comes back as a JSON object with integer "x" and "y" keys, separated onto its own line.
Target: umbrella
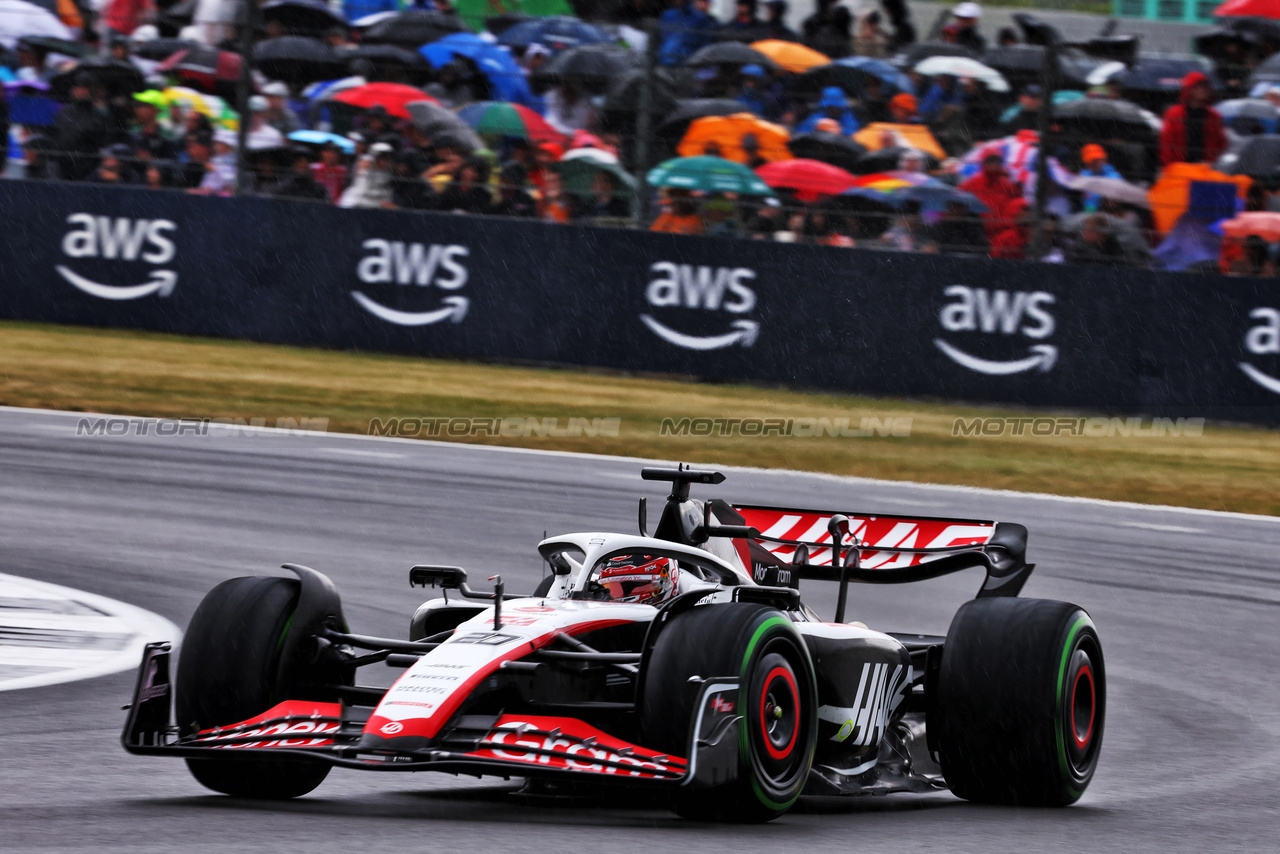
{"x": 386, "y": 58}
{"x": 1172, "y": 194}
{"x": 1264, "y": 224}
{"x": 708, "y": 174}
{"x": 851, "y": 74}
{"x": 302, "y": 17}
{"x": 118, "y": 75}
{"x": 960, "y": 66}
{"x": 921, "y": 51}
{"x": 834, "y": 148}
{"x": 160, "y": 49}
{"x": 888, "y": 182}
{"x": 1021, "y": 64}
{"x": 790, "y": 56}
{"x": 1258, "y": 157}
{"x": 443, "y": 126}
{"x": 727, "y": 134}
{"x": 216, "y": 109}
{"x": 317, "y": 137}
{"x": 675, "y": 123}
{"x": 1248, "y": 9}
{"x": 624, "y": 94}
{"x": 730, "y": 53}
{"x": 810, "y": 179}
{"x": 1250, "y": 115}
{"x": 79, "y": 50}
{"x": 1248, "y": 31}
{"x": 18, "y": 18}
{"x": 1267, "y": 72}
{"x": 495, "y": 63}
{"x": 392, "y": 97}
{"x": 499, "y": 24}
{"x": 1112, "y": 188}
{"x": 297, "y": 59}
{"x": 412, "y": 29}
{"x": 557, "y": 32}
{"x": 878, "y": 135}
{"x": 1155, "y": 81}
{"x": 580, "y": 166}
{"x": 887, "y": 160}
{"x": 591, "y": 67}
{"x": 205, "y": 67}
{"x": 938, "y": 197}
{"x": 1105, "y": 118}
{"x": 500, "y": 118}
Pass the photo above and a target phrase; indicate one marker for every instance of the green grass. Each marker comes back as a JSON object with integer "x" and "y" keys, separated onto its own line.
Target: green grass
{"x": 1225, "y": 468}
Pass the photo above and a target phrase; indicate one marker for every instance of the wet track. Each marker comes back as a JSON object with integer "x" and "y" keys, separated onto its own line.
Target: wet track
{"x": 1186, "y": 603}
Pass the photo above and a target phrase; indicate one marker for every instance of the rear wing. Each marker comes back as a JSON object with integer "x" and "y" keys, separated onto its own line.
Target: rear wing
{"x": 879, "y": 549}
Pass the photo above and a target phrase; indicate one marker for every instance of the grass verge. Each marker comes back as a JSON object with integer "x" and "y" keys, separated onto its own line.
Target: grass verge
{"x": 134, "y": 373}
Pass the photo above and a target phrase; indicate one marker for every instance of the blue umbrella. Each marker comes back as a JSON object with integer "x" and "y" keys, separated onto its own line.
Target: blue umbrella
{"x": 558, "y": 32}
{"x": 318, "y": 137}
{"x": 879, "y": 68}
{"x": 495, "y": 62}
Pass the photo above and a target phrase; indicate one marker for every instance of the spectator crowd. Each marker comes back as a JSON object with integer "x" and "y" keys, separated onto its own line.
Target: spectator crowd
{"x": 852, "y": 130}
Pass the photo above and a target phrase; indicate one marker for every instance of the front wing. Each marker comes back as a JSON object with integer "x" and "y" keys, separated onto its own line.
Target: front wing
{"x": 507, "y": 745}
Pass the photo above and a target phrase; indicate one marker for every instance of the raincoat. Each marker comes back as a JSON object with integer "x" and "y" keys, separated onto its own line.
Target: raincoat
{"x": 1191, "y": 135}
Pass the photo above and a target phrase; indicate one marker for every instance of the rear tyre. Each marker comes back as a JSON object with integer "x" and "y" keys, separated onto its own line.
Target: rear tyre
{"x": 777, "y": 700}
{"x": 229, "y": 671}
{"x": 1020, "y": 702}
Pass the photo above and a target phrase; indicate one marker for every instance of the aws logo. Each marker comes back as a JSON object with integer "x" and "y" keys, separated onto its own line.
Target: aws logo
{"x": 1263, "y": 340}
{"x": 415, "y": 264}
{"x": 705, "y": 289}
{"x": 120, "y": 239}
{"x": 996, "y": 312}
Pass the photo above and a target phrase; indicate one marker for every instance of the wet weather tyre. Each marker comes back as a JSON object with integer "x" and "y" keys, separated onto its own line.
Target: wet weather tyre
{"x": 229, "y": 671}
{"x": 776, "y": 701}
{"x": 1020, "y": 702}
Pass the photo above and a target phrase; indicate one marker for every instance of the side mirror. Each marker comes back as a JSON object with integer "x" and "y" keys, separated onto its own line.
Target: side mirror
{"x": 447, "y": 577}
{"x": 560, "y": 564}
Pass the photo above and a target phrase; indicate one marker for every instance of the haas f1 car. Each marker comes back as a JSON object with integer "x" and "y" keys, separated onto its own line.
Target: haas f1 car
{"x": 684, "y": 661}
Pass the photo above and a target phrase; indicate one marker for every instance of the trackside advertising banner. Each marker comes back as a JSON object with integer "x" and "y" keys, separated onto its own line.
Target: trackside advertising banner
{"x": 883, "y": 323}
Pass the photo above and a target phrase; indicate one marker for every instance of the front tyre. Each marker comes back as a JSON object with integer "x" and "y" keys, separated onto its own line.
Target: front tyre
{"x": 777, "y": 701}
{"x": 229, "y": 671}
{"x": 1020, "y": 702}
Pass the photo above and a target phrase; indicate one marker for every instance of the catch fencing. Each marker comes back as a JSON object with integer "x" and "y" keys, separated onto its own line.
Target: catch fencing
{"x": 1098, "y": 339}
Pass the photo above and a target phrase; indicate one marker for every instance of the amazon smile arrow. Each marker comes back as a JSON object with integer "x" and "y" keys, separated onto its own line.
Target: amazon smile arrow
{"x": 455, "y": 309}
{"x": 162, "y": 283}
{"x": 1044, "y": 356}
{"x": 744, "y": 333}
{"x": 1267, "y": 381}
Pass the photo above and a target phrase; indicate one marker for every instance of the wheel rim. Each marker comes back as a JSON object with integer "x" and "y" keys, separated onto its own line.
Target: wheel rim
{"x": 1081, "y": 717}
{"x": 779, "y": 712}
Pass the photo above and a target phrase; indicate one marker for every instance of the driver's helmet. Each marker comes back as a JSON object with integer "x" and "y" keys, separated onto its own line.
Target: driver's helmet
{"x": 639, "y": 578}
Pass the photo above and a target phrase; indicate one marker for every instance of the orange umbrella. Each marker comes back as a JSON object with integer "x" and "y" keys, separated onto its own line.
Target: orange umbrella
{"x": 1264, "y": 224}
{"x": 878, "y": 135}
{"x": 790, "y": 56}
{"x": 1171, "y": 195}
{"x": 725, "y": 133}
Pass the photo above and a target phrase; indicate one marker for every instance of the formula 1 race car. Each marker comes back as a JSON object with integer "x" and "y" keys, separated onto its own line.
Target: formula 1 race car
{"x": 683, "y": 661}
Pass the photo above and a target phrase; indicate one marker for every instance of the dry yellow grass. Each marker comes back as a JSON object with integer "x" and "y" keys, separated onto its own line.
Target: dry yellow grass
{"x": 1224, "y": 468}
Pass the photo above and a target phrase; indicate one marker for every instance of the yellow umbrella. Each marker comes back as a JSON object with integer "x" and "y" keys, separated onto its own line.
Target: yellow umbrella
{"x": 208, "y": 105}
{"x": 878, "y": 135}
{"x": 1171, "y": 195}
{"x": 723, "y": 136}
{"x": 790, "y": 56}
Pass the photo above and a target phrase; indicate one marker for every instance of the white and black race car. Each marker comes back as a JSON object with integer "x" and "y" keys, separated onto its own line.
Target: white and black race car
{"x": 684, "y": 661}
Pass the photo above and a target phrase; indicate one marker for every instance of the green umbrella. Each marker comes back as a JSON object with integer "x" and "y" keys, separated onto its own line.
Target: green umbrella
{"x": 710, "y": 174}
{"x": 579, "y": 169}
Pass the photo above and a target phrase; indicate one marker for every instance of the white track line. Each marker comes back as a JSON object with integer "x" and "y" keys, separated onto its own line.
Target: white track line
{"x": 847, "y": 479}
{"x": 51, "y": 634}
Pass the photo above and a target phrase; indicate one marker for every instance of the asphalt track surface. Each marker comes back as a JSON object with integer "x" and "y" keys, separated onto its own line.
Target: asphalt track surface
{"x": 1186, "y": 603}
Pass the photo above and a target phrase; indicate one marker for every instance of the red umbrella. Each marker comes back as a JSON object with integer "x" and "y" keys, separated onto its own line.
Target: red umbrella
{"x": 393, "y": 97}
{"x": 809, "y": 178}
{"x": 1248, "y": 9}
{"x": 204, "y": 67}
